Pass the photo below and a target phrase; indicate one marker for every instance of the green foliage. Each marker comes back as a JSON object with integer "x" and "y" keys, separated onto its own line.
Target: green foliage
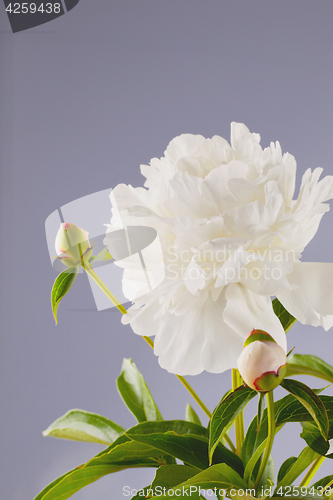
{"x": 79, "y": 425}
{"x": 309, "y": 399}
{"x": 306, "y": 364}
{"x": 225, "y": 414}
{"x": 285, "y": 468}
{"x": 219, "y": 476}
{"x": 323, "y": 482}
{"x": 286, "y": 319}
{"x": 135, "y": 393}
{"x": 183, "y": 440}
{"x": 305, "y": 458}
{"x": 168, "y": 476}
{"x": 191, "y": 416}
{"x": 61, "y": 287}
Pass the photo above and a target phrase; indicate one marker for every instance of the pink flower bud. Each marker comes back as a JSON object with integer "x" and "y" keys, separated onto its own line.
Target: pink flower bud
{"x": 72, "y": 245}
{"x": 262, "y": 363}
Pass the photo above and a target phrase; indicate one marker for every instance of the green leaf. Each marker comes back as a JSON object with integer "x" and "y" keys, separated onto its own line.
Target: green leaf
{"x": 287, "y": 409}
{"x": 135, "y": 393}
{"x": 286, "y": 319}
{"x": 323, "y": 482}
{"x": 168, "y": 476}
{"x": 183, "y": 440}
{"x": 62, "y": 286}
{"x": 225, "y": 414}
{"x": 191, "y": 416}
{"x": 304, "y": 460}
{"x": 124, "y": 453}
{"x": 311, "y": 433}
{"x": 306, "y": 364}
{"x": 143, "y": 493}
{"x": 268, "y": 475}
{"x": 314, "y": 439}
{"x": 80, "y": 425}
{"x": 285, "y": 467}
{"x": 219, "y": 476}
{"x": 297, "y": 492}
{"x": 251, "y": 463}
{"x": 310, "y": 401}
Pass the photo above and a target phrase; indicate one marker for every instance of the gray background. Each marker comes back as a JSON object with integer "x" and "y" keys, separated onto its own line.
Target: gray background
{"x": 84, "y": 100}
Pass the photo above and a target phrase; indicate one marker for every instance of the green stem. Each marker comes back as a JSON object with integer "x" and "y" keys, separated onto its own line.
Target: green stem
{"x": 239, "y": 421}
{"x": 270, "y": 437}
{"x": 312, "y": 471}
{"x": 89, "y": 270}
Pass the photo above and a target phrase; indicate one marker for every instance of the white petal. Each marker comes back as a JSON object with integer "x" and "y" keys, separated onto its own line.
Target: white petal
{"x": 179, "y": 342}
{"x": 244, "y": 142}
{"x": 330, "y": 450}
{"x": 197, "y": 341}
{"x": 311, "y": 300}
{"x": 245, "y": 310}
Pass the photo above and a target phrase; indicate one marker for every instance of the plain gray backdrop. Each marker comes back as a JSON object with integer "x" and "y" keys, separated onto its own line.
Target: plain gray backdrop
{"x": 86, "y": 99}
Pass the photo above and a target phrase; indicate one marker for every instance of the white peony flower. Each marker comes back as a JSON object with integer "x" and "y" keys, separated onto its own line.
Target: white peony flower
{"x": 231, "y": 236}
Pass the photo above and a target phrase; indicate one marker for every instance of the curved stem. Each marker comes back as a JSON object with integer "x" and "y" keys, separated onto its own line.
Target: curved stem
{"x": 270, "y": 437}
{"x": 312, "y": 471}
{"x": 239, "y": 421}
{"x": 89, "y": 270}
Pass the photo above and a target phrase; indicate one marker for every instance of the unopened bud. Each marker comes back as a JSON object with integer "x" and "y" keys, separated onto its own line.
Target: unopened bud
{"x": 262, "y": 363}
{"x": 72, "y": 245}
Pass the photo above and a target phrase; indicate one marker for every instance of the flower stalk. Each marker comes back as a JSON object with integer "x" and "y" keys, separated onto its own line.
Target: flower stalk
{"x": 270, "y": 437}
{"x": 239, "y": 421}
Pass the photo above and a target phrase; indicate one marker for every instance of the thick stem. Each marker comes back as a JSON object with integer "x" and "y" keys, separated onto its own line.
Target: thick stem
{"x": 312, "y": 471}
{"x": 89, "y": 270}
{"x": 270, "y": 437}
{"x": 239, "y": 421}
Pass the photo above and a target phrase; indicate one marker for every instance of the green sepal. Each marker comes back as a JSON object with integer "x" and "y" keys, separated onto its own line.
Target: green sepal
{"x": 101, "y": 256}
{"x": 270, "y": 380}
{"x": 258, "y": 335}
{"x": 61, "y": 287}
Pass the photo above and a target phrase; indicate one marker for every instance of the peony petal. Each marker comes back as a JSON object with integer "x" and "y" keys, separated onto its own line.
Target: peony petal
{"x": 246, "y": 310}
{"x": 311, "y": 298}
